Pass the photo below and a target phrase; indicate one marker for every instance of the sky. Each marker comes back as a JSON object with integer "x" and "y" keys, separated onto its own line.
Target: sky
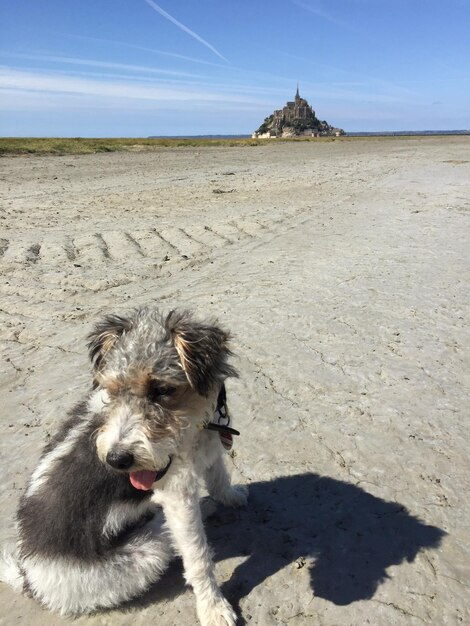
{"x": 136, "y": 68}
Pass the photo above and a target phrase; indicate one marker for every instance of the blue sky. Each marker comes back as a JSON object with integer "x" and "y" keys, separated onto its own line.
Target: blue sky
{"x": 139, "y": 68}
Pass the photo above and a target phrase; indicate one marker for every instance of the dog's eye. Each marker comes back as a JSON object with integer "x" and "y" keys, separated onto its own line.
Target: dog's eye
{"x": 157, "y": 391}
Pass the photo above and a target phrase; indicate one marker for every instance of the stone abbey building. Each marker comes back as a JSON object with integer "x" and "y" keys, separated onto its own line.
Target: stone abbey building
{"x": 297, "y": 110}
{"x": 295, "y": 119}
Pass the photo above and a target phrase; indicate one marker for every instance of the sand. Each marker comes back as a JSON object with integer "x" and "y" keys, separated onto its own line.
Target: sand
{"x": 342, "y": 269}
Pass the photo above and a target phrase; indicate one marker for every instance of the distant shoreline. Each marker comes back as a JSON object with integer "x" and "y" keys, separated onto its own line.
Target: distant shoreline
{"x": 17, "y": 146}
{"x": 382, "y": 133}
{"x": 408, "y": 133}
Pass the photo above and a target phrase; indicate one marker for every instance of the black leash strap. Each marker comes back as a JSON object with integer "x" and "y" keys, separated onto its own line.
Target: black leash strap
{"x": 222, "y": 429}
{"x": 221, "y": 414}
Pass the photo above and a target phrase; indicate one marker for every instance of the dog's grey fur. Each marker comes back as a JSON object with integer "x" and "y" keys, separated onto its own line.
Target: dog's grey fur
{"x": 88, "y": 538}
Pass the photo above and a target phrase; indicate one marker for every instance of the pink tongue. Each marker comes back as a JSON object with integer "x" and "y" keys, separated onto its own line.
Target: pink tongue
{"x": 143, "y": 479}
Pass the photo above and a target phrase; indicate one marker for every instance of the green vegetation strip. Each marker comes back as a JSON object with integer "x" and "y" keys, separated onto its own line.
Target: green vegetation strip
{"x": 26, "y": 145}
{"x": 79, "y": 145}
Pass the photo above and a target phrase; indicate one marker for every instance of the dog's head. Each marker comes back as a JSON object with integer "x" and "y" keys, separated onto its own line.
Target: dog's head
{"x": 154, "y": 377}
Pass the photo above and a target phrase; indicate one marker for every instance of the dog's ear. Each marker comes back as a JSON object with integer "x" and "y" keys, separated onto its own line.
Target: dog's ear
{"x": 202, "y": 349}
{"x": 104, "y": 335}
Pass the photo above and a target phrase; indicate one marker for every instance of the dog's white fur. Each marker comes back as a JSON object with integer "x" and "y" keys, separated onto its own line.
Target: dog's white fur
{"x": 69, "y": 585}
{"x": 180, "y": 502}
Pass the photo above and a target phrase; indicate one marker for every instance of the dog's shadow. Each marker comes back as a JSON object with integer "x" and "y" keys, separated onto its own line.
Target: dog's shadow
{"x": 347, "y": 537}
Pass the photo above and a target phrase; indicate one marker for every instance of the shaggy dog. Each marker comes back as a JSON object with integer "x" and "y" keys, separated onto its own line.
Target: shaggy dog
{"x": 116, "y": 491}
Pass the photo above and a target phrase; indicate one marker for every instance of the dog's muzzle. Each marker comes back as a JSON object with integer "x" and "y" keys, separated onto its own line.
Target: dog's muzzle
{"x": 140, "y": 479}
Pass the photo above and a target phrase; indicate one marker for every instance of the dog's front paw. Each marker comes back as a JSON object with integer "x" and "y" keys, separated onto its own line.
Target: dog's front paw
{"x": 236, "y": 496}
{"x": 218, "y": 613}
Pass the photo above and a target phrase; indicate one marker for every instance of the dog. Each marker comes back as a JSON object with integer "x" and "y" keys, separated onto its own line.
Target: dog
{"x": 116, "y": 493}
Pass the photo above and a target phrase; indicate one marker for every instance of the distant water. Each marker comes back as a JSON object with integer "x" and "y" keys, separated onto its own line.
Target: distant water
{"x": 400, "y": 133}
{"x": 200, "y": 137}
{"x": 384, "y": 133}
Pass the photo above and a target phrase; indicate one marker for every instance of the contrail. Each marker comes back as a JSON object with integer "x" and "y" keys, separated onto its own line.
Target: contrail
{"x": 184, "y": 28}
{"x": 317, "y": 10}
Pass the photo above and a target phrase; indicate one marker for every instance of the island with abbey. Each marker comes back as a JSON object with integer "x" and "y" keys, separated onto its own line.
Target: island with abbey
{"x": 295, "y": 119}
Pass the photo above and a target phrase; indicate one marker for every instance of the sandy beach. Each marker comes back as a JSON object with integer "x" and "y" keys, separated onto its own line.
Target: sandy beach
{"x": 342, "y": 269}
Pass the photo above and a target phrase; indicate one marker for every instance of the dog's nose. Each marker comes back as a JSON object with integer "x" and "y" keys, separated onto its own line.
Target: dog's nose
{"x": 119, "y": 460}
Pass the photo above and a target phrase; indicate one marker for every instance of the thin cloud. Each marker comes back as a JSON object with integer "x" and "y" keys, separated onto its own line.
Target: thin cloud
{"x": 102, "y": 64}
{"x": 173, "y": 55}
{"x": 184, "y": 28}
{"x": 319, "y": 12}
{"x": 167, "y": 82}
{"x": 44, "y": 82}
{"x": 234, "y": 81}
